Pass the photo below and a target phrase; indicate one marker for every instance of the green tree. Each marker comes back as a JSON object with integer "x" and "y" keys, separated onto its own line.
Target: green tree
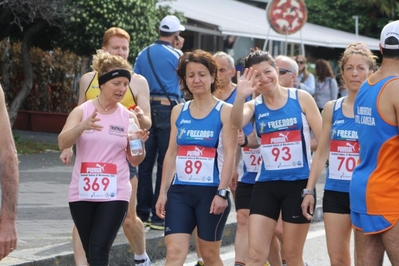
{"x": 91, "y": 18}
{"x": 339, "y": 14}
{"x": 74, "y": 25}
{"x": 86, "y": 26}
{"x": 386, "y": 7}
{"x": 23, "y": 20}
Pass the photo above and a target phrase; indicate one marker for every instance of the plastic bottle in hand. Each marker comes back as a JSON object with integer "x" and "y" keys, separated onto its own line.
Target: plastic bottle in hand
{"x": 135, "y": 142}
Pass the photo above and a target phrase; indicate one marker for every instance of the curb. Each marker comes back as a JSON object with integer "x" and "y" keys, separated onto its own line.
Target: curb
{"x": 122, "y": 254}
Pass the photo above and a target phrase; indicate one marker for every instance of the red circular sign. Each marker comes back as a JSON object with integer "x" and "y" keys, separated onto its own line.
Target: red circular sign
{"x": 287, "y": 16}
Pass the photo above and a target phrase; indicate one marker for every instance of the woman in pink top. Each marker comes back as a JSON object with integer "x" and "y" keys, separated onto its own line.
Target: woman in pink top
{"x": 100, "y": 189}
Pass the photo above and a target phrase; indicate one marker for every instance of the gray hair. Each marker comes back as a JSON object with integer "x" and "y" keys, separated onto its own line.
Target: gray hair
{"x": 227, "y": 56}
{"x": 292, "y": 62}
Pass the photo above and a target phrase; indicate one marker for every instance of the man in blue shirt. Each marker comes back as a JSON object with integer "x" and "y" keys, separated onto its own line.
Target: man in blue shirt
{"x": 157, "y": 63}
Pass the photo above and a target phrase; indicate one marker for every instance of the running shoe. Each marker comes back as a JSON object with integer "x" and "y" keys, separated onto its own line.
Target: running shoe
{"x": 157, "y": 225}
{"x": 146, "y": 262}
{"x": 199, "y": 263}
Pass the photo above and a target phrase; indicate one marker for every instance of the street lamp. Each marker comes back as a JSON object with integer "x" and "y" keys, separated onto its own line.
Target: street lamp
{"x": 356, "y": 18}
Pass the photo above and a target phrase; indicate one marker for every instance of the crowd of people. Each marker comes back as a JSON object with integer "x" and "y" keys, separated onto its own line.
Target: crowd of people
{"x": 266, "y": 139}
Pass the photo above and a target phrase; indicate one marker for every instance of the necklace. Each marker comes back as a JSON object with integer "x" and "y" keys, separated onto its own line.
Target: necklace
{"x": 106, "y": 110}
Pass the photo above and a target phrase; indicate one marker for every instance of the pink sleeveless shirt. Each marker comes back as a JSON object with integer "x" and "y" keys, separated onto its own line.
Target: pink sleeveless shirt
{"x": 101, "y": 172}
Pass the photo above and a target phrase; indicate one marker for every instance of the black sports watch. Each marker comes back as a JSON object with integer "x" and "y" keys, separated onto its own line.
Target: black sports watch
{"x": 224, "y": 193}
{"x": 307, "y": 192}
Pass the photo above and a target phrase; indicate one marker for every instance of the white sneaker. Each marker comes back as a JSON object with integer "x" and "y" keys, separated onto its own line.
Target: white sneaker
{"x": 146, "y": 262}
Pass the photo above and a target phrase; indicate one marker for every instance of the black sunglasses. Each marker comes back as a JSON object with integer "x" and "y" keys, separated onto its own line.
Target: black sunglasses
{"x": 283, "y": 71}
{"x": 300, "y": 62}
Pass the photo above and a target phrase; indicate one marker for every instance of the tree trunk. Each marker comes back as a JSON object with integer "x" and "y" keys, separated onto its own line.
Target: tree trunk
{"x": 27, "y": 70}
{"x": 5, "y": 73}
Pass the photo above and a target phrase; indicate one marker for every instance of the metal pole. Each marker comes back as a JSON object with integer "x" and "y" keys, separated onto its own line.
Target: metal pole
{"x": 286, "y": 43}
{"x": 302, "y": 44}
{"x": 267, "y": 38}
{"x": 356, "y": 18}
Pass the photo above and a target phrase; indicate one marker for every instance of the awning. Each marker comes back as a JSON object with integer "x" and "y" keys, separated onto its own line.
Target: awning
{"x": 239, "y": 19}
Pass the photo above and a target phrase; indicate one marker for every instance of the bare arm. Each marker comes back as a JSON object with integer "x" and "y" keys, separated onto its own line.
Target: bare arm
{"x": 311, "y": 111}
{"x": 319, "y": 159}
{"x": 140, "y": 86}
{"x": 9, "y": 183}
{"x": 229, "y": 147}
{"x": 67, "y": 153}
{"x": 253, "y": 140}
{"x": 388, "y": 102}
{"x": 74, "y": 127}
{"x": 83, "y": 85}
{"x": 234, "y": 176}
{"x": 229, "y": 138}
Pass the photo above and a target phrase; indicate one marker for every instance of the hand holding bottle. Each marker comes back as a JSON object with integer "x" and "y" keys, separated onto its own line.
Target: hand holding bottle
{"x": 135, "y": 138}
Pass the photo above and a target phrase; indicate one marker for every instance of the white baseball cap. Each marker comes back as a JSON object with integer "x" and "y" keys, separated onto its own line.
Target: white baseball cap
{"x": 171, "y": 23}
{"x": 390, "y": 36}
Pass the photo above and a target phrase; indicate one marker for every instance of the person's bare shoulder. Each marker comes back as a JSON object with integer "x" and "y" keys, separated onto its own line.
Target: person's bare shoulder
{"x": 87, "y": 78}
{"x": 137, "y": 78}
{"x": 388, "y": 101}
{"x": 2, "y": 100}
{"x": 138, "y": 81}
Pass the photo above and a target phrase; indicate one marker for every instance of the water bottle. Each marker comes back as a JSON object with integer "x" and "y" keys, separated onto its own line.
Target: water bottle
{"x": 135, "y": 142}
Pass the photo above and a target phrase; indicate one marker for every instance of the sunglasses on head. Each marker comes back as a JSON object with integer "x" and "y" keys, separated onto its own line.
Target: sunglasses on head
{"x": 300, "y": 62}
{"x": 283, "y": 71}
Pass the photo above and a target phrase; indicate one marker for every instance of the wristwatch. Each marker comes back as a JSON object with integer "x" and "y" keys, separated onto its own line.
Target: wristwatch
{"x": 224, "y": 193}
{"x": 307, "y": 192}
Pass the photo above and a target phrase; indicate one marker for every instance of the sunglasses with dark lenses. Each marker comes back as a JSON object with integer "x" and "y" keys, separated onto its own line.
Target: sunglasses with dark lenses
{"x": 300, "y": 62}
{"x": 283, "y": 71}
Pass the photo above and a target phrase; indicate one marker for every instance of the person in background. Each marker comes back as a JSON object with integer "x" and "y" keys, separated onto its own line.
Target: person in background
{"x": 342, "y": 90}
{"x": 305, "y": 80}
{"x": 283, "y": 118}
{"x": 288, "y": 73}
{"x": 9, "y": 180}
{"x": 374, "y": 187}
{"x": 339, "y": 144}
{"x": 194, "y": 189}
{"x": 326, "y": 85}
{"x": 100, "y": 189}
{"x": 136, "y": 99}
{"x": 157, "y": 63}
{"x": 227, "y": 92}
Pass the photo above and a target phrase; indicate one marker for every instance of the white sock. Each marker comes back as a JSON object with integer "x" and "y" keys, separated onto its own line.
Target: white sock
{"x": 143, "y": 256}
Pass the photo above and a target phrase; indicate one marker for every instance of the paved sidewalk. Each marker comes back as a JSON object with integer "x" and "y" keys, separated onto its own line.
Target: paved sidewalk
{"x": 44, "y": 222}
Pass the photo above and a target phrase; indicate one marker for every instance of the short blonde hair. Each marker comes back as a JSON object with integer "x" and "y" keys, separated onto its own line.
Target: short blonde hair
{"x": 104, "y": 62}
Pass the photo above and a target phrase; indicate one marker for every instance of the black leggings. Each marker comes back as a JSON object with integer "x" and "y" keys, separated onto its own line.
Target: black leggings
{"x": 97, "y": 224}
